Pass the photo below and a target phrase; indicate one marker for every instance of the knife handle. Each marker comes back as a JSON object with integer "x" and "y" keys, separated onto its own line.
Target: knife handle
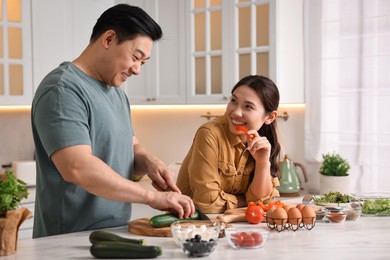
{"x": 232, "y": 218}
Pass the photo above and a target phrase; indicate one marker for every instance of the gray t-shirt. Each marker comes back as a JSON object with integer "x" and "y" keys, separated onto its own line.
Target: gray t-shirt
{"x": 72, "y": 108}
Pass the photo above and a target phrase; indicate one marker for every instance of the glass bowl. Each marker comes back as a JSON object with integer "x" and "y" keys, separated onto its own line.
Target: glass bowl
{"x": 336, "y": 217}
{"x": 196, "y": 238}
{"x": 246, "y": 238}
{"x": 353, "y": 213}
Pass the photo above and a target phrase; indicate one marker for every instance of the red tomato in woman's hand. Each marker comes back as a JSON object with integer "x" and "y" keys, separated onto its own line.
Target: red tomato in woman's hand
{"x": 254, "y": 214}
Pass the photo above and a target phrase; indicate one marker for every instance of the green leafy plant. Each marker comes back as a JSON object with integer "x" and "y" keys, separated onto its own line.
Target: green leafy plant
{"x": 12, "y": 191}
{"x": 334, "y": 165}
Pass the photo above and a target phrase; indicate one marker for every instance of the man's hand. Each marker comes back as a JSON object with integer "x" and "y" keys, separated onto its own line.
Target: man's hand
{"x": 173, "y": 202}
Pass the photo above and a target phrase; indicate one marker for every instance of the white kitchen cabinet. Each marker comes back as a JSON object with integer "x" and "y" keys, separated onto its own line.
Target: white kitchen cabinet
{"x": 162, "y": 78}
{"x": 15, "y": 53}
{"x": 61, "y": 30}
{"x": 227, "y": 40}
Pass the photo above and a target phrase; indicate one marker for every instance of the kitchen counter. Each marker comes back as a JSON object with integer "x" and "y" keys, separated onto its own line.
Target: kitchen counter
{"x": 366, "y": 238}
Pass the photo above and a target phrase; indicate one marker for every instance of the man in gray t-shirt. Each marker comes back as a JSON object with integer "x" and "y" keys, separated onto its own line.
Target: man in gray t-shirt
{"x": 86, "y": 150}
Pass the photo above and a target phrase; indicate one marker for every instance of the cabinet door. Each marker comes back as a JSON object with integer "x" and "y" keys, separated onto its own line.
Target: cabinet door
{"x": 15, "y": 53}
{"x": 61, "y": 31}
{"x": 258, "y": 37}
{"x": 162, "y": 78}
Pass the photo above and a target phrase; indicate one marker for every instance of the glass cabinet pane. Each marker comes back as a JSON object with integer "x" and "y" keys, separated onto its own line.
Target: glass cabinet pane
{"x": 245, "y": 65}
{"x": 14, "y": 10}
{"x": 16, "y": 79}
{"x": 199, "y": 4}
{"x": 244, "y": 27}
{"x": 216, "y": 75}
{"x": 1, "y": 42}
{"x": 1, "y": 79}
{"x": 200, "y": 76}
{"x": 262, "y": 60}
{"x": 15, "y": 43}
{"x": 215, "y": 2}
{"x": 216, "y": 30}
{"x": 262, "y": 25}
{"x": 200, "y": 26}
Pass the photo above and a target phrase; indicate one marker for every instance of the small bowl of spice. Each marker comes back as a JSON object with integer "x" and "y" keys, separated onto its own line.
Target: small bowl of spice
{"x": 336, "y": 217}
{"x": 353, "y": 213}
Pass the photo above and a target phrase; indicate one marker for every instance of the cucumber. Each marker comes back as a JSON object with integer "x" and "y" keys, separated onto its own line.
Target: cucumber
{"x": 98, "y": 236}
{"x": 165, "y": 220}
{"x": 117, "y": 249}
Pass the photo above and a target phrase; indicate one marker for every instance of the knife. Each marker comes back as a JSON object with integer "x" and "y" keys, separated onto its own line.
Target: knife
{"x": 223, "y": 225}
{"x": 202, "y": 216}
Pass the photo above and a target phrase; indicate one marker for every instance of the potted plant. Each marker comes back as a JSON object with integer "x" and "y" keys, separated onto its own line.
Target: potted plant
{"x": 334, "y": 173}
{"x": 12, "y": 191}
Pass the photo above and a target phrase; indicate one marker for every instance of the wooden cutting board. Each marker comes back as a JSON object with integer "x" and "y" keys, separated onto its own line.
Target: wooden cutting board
{"x": 142, "y": 227}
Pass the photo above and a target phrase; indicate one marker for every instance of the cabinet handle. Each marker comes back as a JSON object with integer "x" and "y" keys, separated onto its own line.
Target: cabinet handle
{"x": 150, "y": 99}
{"x": 225, "y": 98}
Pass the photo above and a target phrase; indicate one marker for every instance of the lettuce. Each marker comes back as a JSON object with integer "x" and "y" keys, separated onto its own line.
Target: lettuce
{"x": 379, "y": 207}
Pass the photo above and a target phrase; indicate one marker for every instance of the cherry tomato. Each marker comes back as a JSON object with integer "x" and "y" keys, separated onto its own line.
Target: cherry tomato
{"x": 254, "y": 214}
{"x": 249, "y": 240}
{"x": 258, "y": 238}
{"x": 238, "y": 239}
{"x": 245, "y": 130}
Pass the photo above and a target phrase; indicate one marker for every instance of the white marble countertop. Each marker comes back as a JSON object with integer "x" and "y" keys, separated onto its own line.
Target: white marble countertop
{"x": 366, "y": 238}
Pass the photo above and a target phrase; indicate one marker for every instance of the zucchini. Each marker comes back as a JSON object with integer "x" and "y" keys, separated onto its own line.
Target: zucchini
{"x": 98, "y": 236}
{"x": 165, "y": 220}
{"x": 117, "y": 249}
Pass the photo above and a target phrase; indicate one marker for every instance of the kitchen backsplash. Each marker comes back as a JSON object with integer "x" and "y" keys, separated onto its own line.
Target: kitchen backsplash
{"x": 165, "y": 131}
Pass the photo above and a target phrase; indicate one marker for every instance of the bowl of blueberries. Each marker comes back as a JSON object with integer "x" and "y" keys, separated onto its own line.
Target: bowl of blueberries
{"x": 196, "y": 237}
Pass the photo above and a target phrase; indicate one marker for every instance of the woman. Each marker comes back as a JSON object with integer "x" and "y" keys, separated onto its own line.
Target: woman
{"x": 227, "y": 168}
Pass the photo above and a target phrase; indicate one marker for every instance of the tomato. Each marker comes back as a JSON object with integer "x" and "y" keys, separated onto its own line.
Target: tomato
{"x": 254, "y": 214}
{"x": 258, "y": 238}
{"x": 244, "y": 239}
{"x": 249, "y": 240}
{"x": 238, "y": 239}
{"x": 245, "y": 130}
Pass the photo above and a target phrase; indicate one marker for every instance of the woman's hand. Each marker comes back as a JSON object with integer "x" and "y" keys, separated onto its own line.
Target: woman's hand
{"x": 259, "y": 147}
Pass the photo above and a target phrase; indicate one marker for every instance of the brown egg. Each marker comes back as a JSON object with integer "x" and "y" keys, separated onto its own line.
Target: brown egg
{"x": 308, "y": 215}
{"x": 269, "y": 215}
{"x": 294, "y": 216}
{"x": 300, "y": 206}
{"x": 280, "y": 216}
{"x": 287, "y": 207}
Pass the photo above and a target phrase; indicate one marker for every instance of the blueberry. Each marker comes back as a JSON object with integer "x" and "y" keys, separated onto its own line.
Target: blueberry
{"x": 198, "y": 237}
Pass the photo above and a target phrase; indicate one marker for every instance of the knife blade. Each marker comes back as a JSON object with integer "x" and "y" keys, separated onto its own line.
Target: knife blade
{"x": 202, "y": 216}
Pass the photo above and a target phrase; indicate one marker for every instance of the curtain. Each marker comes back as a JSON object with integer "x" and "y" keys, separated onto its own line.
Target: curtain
{"x": 347, "y": 88}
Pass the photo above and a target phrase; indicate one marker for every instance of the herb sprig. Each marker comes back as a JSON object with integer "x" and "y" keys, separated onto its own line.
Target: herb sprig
{"x": 12, "y": 191}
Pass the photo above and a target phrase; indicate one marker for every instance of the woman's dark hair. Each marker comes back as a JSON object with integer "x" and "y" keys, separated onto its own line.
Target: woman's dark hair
{"x": 269, "y": 96}
{"x": 128, "y": 22}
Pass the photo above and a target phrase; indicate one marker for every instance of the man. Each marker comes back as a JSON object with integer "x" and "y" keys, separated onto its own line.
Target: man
{"x": 86, "y": 149}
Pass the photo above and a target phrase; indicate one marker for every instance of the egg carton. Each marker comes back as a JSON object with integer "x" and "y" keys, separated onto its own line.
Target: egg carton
{"x": 281, "y": 224}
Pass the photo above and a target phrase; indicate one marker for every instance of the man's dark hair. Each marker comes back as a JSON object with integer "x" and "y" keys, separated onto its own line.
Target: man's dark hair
{"x": 128, "y": 22}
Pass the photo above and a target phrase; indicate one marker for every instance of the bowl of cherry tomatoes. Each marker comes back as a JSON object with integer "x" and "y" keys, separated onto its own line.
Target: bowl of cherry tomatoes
{"x": 246, "y": 238}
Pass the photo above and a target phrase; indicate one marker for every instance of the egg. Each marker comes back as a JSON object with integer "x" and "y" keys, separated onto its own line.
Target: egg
{"x": 280, "y": 216}
{"x": 294, "y": 216}
{"x": 300, "y": 206}
{"x": 269, "y": 215}
{"x": 308, "y": 215}
{"x": 287, "y": 207}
